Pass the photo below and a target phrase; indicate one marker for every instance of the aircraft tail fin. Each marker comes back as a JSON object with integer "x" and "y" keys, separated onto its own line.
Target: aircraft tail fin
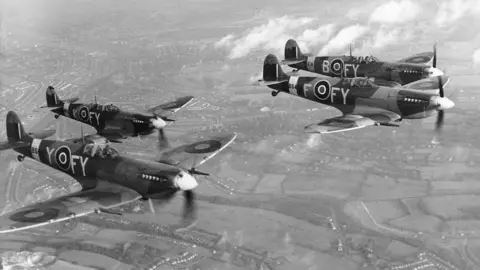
{"x": 293, "y": 54}
{"x": 272, "y": 71}
{"x": 15, "y": 131}
{"x": 52, "y": 98}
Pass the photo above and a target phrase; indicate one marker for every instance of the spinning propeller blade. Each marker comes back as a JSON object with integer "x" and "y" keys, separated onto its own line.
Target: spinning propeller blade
{"x": 434, "y": 62}
{"x": 163, "y": 142}
{"x": 190, "y": 207}
{"x": 440, "y": 115}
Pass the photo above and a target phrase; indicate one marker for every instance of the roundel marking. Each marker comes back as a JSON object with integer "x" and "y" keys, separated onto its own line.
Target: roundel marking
{"x": 321, "y": 90}
{"x": 336, "y": 66}
{"x": 62, "y": 157}
{"x": 36, "y": 215}
{"x": 203, "y": 147}
{"x": 83, "y": 113}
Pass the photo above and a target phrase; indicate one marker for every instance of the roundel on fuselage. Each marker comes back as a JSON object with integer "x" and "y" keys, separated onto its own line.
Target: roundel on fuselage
{"x": 336, "y": 66}
{"x": 83, "y": 114}
{"x": 321, "y": 90}
{"x": 63, "y": 156}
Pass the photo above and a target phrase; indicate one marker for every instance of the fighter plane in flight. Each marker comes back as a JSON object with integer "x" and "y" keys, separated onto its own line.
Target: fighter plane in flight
{"x": 383, "y": 73}
{"x": 108, "y": 178}
{"x": 361, "y": 101}
{"x": 110, "y": 121}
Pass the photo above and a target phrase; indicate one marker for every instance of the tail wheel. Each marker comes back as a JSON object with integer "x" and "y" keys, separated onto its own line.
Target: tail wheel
{"x": 56, "y": 116}
{"x": 20, "y": 158}
{"x": 274, "y": 93}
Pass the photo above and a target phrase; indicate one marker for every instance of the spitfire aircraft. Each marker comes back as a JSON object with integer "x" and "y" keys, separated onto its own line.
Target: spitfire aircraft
{"x": 108, "y": 179}
{"x": 393, "y": 74}
{"x": 111, "y": 122}
{"x": 361, "y": 101}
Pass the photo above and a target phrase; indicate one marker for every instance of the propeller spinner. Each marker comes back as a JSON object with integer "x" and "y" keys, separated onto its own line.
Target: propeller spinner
{"x": 442, "y": 103}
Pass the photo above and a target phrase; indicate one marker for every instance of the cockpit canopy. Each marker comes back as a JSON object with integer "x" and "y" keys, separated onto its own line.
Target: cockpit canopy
{"x": 107, "y": 108}
{"x": 365, "y": 60}
{"x": 96, "y": 150}
{"x": 360, "y": 82}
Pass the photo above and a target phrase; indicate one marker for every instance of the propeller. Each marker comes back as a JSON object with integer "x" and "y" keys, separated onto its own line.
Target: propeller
{"x": 163, "y": 142}
{"x": 434, "y": 62}
{"x": 184, "y": 182}
{"x": 441, "y": 114}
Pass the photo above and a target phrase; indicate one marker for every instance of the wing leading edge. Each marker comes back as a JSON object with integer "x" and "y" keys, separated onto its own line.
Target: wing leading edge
{"x": 420, "y": 58}
{"x": 171, "y": 107}
{"x": 67, "y": 207}
{"x": 351, "y": 121}
{"x": 195, "y": 154}
{"x": 426, "y": 84}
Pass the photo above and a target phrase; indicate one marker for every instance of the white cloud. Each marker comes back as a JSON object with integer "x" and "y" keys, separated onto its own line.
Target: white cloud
{"x": 396, "y": 12}
{"x": 314, "y": 37}
{"x": 271, "y": 35}
{"x": 225, "y": 41}
{"x": 450, "y": 11}
{"x": 345, "y": 37}
{"x": 476, "y": 59}
{"x": 385, "y": 36}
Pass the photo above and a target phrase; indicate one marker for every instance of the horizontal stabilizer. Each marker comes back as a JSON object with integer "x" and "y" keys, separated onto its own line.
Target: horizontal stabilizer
{"x": 267, "y": 83}
{"x": 12, "y": 145}
{"x": 292, "y": 61}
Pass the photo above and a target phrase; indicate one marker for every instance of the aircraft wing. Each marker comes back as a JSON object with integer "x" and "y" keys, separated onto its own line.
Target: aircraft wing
{"x": 431, "y": 83}
{"x": 171, "y": 107}
{"x": 352, "y": 121}
{"x": 195, "y": 154}
{"x": 67, "y": 207}
{"x": 421, "y": 58}
{"x": 42, "y": 134}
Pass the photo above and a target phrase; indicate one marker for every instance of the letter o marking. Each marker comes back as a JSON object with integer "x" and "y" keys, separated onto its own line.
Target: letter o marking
{"x": 62, "y": 157}
{"x": 83, "y": 113}
{"x": 321, "y": 90}
{"x": 336, "y": 66}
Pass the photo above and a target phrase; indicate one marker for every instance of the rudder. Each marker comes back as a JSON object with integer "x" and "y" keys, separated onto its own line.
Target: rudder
{"x": 272, "y": 71}
{"x": 15, "y": 130}
{"x": 292, "y": 50}
{"x": 52, "y": 98}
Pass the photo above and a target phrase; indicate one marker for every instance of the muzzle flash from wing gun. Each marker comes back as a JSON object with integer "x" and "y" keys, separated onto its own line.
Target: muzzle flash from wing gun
{"x": 107, "y": 211}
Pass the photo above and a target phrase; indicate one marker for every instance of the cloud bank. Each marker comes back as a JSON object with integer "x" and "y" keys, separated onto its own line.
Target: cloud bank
{"x": 368, "y": 27}
{"x": 396, "y": 12}
{"x": 476, "y": 59}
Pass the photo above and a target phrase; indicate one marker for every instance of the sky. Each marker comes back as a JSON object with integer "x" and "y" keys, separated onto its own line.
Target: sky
{"x": 369, "y": 27}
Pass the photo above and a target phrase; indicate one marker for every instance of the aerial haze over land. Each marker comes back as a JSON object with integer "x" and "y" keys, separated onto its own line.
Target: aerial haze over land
{"x": 374, "y": 198}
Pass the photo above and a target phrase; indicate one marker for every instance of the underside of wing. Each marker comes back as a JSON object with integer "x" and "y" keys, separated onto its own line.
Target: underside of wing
{"x": 195, "y": 154}
{"x": 350, "y": 122}
{"x": 432, "y": 83}
{"x": 42, "y": 134}
{"x": 421, "y": 58}
{"x": 67, "y": 207}
{"x": 171, "y": 107}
